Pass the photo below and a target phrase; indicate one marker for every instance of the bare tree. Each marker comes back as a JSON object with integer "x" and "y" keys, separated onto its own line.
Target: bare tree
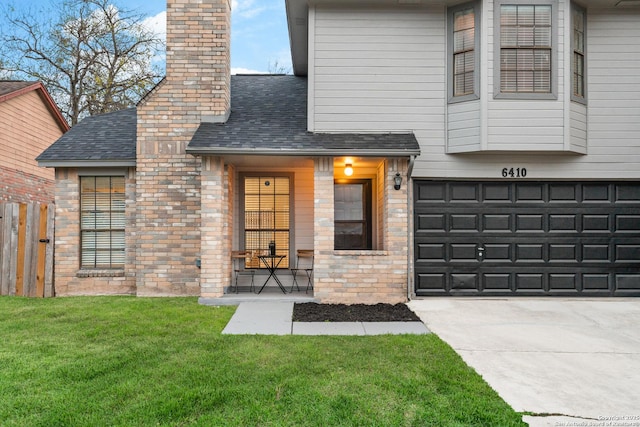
{"x": 92, "y": 56}
{"x": 276, "y": 67}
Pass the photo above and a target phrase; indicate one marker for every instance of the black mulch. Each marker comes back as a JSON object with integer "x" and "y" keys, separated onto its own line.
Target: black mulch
{"x": 313, "y": 312}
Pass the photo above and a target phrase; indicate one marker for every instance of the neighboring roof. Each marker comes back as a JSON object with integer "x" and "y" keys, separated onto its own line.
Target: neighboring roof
{"x": 269, "y": 117}
{"x": 104, "y": 140}
{"x": 12, "y": 88}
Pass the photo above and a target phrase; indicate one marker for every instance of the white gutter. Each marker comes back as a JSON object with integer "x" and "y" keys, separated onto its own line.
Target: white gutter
{"x": 410, "y": 281}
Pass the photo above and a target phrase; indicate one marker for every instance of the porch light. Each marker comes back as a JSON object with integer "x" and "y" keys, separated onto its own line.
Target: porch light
{"x": 348, "y": 169}
{"x": 397, "y": 181}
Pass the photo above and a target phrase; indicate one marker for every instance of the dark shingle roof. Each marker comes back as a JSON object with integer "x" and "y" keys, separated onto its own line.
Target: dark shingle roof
{"x": 269, "y": 116}
{"x": 8, "y": 86}
{"x": 108, "y": 139}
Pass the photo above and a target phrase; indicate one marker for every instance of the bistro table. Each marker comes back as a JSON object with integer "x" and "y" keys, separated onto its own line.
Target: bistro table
{"x": 272, "y": 262}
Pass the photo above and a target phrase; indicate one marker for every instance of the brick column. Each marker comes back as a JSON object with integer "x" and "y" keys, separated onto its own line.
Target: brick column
{"x": 216, "y": 219}
{"x": 323, "y": 217}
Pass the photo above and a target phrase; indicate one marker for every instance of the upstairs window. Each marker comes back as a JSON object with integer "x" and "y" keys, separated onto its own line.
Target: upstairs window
{"x": 525, "y": 34}
{"x": 463, "y": 52}
{"x": 578, "y": 71}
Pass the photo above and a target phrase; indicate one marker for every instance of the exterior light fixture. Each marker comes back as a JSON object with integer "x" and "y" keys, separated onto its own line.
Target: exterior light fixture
{"x": 397, "y": 181}
{"x": 348, "y": 169}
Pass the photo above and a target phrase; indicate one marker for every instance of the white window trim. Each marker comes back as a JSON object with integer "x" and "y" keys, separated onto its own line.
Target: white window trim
{"x": 450, "y": 66}
{"x": 497, "y": 94}
{"x": 574, "y": 97}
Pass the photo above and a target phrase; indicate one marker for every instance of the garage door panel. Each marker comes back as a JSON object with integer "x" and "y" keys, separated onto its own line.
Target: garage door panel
{"x": 563, "y": 282}
{"x": 496, "y": 223}
{"x": 496, "y": 282}
{"x": 596, "y": 192}
{"x": 628, "y": 223}
{"x": 463, "y": 192}
{"x": 563, "y": 253}
{"x": 595, "y": 282}
{"x": 629, "y": 282}
{"x": 530, "y": 253}
{"x": 563, "y": 223}
{"x": 565, "y": 193}
{"x": 463, "y": 252}
{"x": 628, "y": 253}
{"x": 595, "y": 223}
{"x": 464, "y": 223}
{"x": 529, "y": 223}
{"x": 627, "y": 193}
{"x": 464, "y": 282}
{"x": 431, "y": 223}
{"x": 522, "y": 238}
{"x": 530, "y": 281}
{"x": 433, "y": 282}
{"x": 497, "y": 192}
{"x": 529, "y": 193}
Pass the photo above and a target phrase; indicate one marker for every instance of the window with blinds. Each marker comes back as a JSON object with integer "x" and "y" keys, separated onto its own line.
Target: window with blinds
{"x": 266, "y": 216}
{"x": 526, "y": 48}
{"x": 464, "y": 44}
{"x": 102, "y": 222}
{"x": 579, "y": 23}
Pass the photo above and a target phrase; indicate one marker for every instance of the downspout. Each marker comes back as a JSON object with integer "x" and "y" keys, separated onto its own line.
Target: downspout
{"x": 409, "y": 227}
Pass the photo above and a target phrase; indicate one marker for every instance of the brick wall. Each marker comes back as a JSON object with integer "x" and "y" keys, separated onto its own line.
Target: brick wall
{"x": 27, "y": 128}
{"x": 196, "y": 89}
{"x": 69, "y": 278}
{"x": 361, "y": 276}
{"x": 21, "y": 187}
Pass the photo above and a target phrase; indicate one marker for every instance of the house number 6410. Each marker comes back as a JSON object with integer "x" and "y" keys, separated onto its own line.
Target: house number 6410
{"x": 514, "y": 172}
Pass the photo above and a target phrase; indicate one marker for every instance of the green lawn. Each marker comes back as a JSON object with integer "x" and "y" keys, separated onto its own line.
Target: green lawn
{"x": 125, "y": 361}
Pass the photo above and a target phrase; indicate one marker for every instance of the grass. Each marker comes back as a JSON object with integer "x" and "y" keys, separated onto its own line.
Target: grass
{"x": 126, "y": 361}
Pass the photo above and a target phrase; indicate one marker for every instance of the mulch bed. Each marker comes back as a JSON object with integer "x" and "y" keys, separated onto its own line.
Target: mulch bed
{"x": 314, "y": 312}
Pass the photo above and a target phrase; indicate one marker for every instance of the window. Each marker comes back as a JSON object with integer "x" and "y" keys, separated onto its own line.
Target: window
{"x": 525, "y": 34}
{"x": 463, "y": 52}
{"x": 102, "y": 222}
{"x": 352, "y": 215}
{"x": 266, "y": 216}
{"x": 579, "y": 23}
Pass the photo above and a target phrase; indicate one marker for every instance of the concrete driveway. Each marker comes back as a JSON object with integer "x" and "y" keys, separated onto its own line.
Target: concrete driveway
{"x": 567, "y": 361}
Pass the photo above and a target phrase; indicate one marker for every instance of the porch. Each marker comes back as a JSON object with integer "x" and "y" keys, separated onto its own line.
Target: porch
{"x": 354, "y": 223}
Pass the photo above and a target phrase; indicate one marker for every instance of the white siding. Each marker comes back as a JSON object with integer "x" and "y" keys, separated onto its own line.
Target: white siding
{"x": 578, "y": 127}
{"x": 377, "y": 70}
{"x": 463, "y": 127}
{"x": 373, "y": 81}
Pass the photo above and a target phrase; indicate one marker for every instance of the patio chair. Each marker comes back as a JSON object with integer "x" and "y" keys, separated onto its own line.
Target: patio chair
{"x": 239, "y": 258}
{"x": 304, "y": 264}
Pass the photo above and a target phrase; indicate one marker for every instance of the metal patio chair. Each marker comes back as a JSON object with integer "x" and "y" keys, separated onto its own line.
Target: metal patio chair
{"x": 304, "y": 265}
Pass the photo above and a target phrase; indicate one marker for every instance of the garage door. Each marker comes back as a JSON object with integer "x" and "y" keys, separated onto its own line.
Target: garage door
{"x": 527, "y": 238}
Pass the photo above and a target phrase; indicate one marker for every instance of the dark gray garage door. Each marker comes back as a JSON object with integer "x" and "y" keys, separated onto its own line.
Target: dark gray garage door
{"x": 527, "y": 238}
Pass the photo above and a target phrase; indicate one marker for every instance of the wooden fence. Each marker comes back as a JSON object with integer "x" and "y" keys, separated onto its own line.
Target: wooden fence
{"x": 26, "y": 249}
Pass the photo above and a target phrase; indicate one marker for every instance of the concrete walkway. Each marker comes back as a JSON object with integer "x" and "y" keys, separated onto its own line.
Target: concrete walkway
{"x": 275, "y": 318}
{"x": 569, "y": 361}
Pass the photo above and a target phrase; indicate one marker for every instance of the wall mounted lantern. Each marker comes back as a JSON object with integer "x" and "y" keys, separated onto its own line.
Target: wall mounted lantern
{"x": 397, "y": 181}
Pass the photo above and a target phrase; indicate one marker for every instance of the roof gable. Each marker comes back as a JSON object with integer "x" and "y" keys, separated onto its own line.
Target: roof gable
{"x": 13, "y": 88}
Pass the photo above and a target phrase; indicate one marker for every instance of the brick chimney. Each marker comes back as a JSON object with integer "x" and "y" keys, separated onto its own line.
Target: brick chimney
{"x": 198, "y": 55}
{"x": 196, "y": 90}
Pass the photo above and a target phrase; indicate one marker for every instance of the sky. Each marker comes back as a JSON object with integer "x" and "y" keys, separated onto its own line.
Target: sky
{"x": 259, "y": 37}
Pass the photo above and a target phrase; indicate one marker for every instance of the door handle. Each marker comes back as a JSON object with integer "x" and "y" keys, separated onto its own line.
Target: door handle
{"x": 480, "y": 251}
